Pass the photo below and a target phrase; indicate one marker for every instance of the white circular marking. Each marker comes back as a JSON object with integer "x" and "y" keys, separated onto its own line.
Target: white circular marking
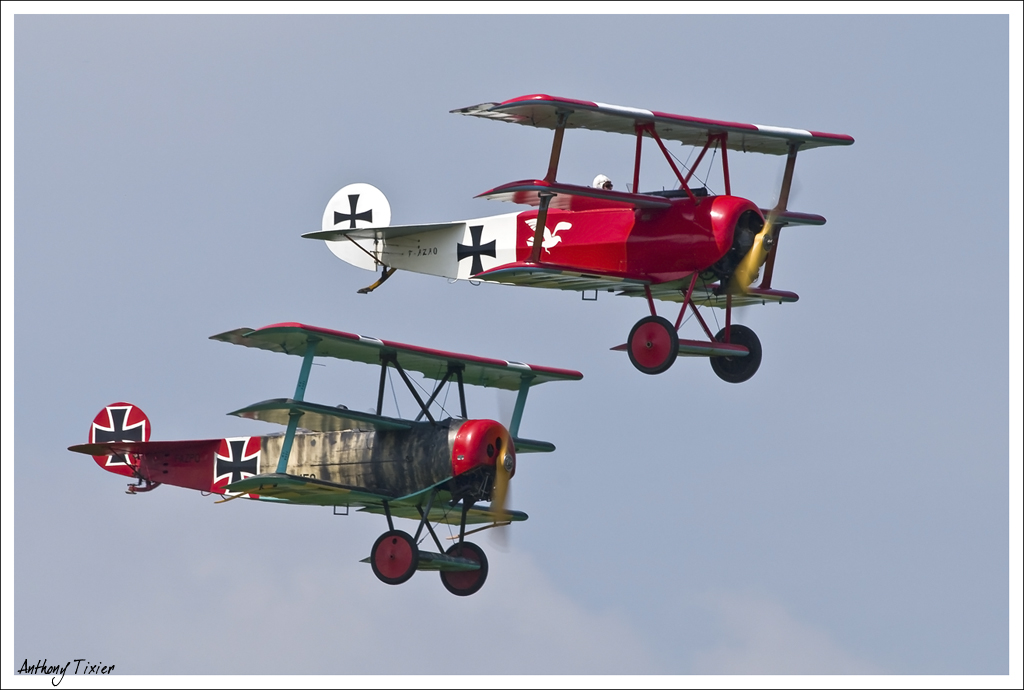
{"x": 358, "y": 205}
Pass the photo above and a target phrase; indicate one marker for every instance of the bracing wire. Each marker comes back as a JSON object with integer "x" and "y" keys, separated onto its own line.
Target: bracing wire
{"x": 686, "y": 165}
{"x": 393, "y": 394}
{"x": 446, "y": 390}
{"x": 711, "y": 166}
{"x": 424, "y": 390}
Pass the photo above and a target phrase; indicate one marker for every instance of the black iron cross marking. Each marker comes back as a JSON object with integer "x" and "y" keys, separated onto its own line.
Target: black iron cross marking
{"x": 236, "y": 464}
{"x": 476, "y": 250}
{"x": 136, "y": 432}
{"x": 352, "y": 216}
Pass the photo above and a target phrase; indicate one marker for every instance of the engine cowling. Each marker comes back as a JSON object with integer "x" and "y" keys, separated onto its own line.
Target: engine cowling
{"x": 482, "y": 443}
{"x": 741, "y": 226}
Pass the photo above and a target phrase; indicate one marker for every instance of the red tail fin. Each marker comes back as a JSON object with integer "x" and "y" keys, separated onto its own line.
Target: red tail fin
{"x": 119, "y": 421}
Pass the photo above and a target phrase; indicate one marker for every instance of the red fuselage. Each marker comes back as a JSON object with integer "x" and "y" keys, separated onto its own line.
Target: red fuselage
{"x": 658, "y": 245}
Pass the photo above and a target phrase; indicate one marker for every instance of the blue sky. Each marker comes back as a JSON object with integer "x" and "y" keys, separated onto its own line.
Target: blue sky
{"x": 847, "y": 510}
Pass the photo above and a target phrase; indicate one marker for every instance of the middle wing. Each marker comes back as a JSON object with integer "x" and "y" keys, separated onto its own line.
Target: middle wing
{"x": 316, "y": 417}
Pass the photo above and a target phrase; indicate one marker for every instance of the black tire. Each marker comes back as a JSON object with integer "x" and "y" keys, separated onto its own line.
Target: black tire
{"x": 653, "y": 345}
{"x": 738, "y": 369}
{"x": 394, "y": 557}
{"x": 462, "y": 583}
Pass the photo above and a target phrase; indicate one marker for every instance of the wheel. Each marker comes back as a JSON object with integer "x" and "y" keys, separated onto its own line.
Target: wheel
{"x": 738, "y": 369}
{"x": 394, "y": 557}
{"x": 462, "y": 583}
{"x": 653, "y": 345}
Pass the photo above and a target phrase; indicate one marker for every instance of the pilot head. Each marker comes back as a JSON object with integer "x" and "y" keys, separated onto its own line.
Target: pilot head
{"x": 602, "y": 182}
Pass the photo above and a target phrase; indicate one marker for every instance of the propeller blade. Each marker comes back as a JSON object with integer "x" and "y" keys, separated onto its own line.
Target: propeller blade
{"x": 504, "y": 466}
{"x": 748, "y": 268}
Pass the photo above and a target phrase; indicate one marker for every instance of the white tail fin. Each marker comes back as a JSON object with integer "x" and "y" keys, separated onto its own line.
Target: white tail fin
{"x": 356, "y": 205}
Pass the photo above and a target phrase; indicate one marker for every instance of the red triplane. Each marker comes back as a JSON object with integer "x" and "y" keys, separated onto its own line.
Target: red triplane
{"x": 683, "y": 245}
{"x": 433, "y": 469}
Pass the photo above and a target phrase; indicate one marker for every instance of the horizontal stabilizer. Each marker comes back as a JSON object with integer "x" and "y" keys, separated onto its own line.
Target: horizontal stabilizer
{"x": 527, "y": 445}
{"x": 382, "y": 233}
{"x": 146, "y": 447}
{"x": 529, "y": 192}
{"x": 701, "y": 348}
{"x": 317, "y": 417}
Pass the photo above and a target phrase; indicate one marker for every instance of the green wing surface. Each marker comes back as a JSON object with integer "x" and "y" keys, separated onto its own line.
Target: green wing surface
{"x": 318, "y": 417}
{"x": 309, "y": 491}
{"x": 292, "y": 338}
{"x": 304, "y": 490}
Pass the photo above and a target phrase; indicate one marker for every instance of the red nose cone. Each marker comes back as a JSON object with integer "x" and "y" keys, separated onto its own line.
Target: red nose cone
{"x": 480, "y": 442}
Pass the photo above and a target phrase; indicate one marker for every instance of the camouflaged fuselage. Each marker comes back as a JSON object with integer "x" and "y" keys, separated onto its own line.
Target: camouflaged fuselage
{"x": 389, "y": 463}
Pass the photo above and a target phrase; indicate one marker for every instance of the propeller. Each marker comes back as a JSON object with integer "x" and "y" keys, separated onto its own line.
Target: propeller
{"x": 747, "y": 270}
{"x": 504, "y": 464}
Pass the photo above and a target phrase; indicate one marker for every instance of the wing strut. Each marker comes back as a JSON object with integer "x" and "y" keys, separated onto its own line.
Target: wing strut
{"x": 545, "y": 199}
{"x": 300, "y": 392}
{"x": 636, "y": 164}
{"x": 787, "y": 181}
{"x": 517, "y": 413}
{"x": 654, "y": 135}
{"x": 462, "y": 393}
{"x": 452, "y": 368}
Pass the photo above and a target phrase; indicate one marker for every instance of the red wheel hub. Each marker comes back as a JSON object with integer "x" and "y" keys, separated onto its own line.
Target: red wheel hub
{"x": 653, "y": 345}
{"x": 394, "y": 557}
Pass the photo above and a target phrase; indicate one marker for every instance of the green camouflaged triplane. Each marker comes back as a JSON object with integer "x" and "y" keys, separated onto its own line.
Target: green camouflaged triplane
{"x": 430, "y": 469}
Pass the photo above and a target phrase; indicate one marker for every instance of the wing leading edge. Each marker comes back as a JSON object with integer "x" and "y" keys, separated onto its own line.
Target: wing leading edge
{"x": 541, "y": 110}
{"x": 291, "y": 338}
{"x": 309, "y": 491}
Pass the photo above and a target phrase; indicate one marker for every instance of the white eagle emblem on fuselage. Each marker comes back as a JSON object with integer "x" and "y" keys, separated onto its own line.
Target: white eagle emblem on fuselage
{"x": 551, "y": 238}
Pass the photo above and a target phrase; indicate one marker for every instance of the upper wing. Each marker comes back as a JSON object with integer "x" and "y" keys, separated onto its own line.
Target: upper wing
{"x": 541, "y": 110}
{"x": 291, "y": 338}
